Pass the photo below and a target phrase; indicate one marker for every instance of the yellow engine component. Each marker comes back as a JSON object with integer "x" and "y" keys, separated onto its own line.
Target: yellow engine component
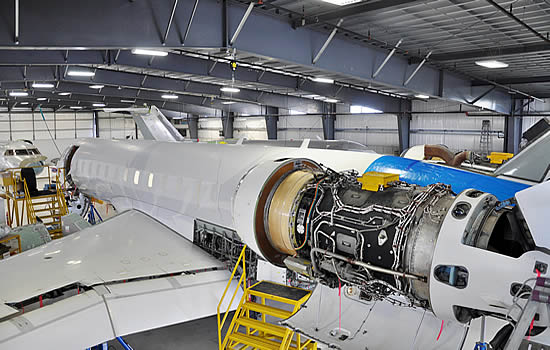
{"x": 499, "y": 157}
{"x": 374, "y": 180}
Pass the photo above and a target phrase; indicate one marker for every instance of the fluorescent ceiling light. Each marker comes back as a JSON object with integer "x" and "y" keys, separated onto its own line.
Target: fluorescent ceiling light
{"x": 149, "y": 52}
{"x": 41, "y": 99}
{"x": 492, "y": 64}
{"x": 331, "y": 100}
{"x": 228, "y": 102}
{"x": 96, "y": 86}
{"x": 24, "y": 103}
{"x": 169, "y": 97}
{"x": 98, "y": 104}
{"x": 75, "y": 107}
{"x": 128, "y": 101}
{"x": 19, "y": 93}
{"x": 43, "y": 85}
{"x": 64, "y": 93}
{"x": 230, "y": 89}
{"x": 81, "y": 73}
{"x": 323, "y": 80}
{"x": 424, "y": 97}
{"x": 341, "y": 2}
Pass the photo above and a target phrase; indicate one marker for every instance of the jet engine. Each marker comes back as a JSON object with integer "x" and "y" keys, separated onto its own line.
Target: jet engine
{"x": 402, "y": 243}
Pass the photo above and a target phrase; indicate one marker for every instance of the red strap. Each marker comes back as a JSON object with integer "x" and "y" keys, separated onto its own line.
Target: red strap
{"x": 340, "y": 307}
{"x": 440, "y": 330}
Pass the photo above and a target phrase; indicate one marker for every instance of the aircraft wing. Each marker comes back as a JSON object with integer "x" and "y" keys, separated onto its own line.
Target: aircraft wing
{"x": 152, "y": 123}
{"x": 126, "y": 275}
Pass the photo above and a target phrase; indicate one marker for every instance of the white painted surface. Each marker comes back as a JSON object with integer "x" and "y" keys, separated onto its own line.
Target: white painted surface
{"x": 128, "y": 246}
{"x": 534, "y": 203}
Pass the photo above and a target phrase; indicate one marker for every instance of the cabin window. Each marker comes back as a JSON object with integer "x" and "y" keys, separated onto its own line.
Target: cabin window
{"x": 21, "y": 152}
{"x": 9, "y": 152}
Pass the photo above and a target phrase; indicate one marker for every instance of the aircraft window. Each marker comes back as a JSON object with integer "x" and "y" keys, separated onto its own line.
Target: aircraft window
{"x": 125, "y": 176}
{"x": 21, "y": 152}
{"x": 150, "y": 182}
{"x": 455, "y": 276}
{"x": 34, "y": 151}
{"x": 136, "y": 177}
{"x": 9, "y": 152}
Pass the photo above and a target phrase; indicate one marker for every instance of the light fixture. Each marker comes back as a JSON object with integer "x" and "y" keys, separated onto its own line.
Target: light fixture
{"x": 23, "y": 103}
{"x": 41, "y": 99}
{"x": 98, "y": 104}
{"x": 357, "y": 109}
{"x": 80, "y": 73}
{"x": 149, "y": 52}
{"x": 64, "y": 93}
{"x": 75, "y": 107}
{"x": 228, "y": 102}
{"x": 331, "y": 100}
{"x": 424, "y": 97}
{"x": 128, "y": 101}
{"x": 96, "y": 86}
{"x": 43, "y": 85}
{"x": 311, "y": 96}
{"x": 230, "y": 89}
{"x": 492, "y": 64}
{"x": 323, "y": 80}
{"x": 341, "y": 2}
{"x": 19, "y": 93}
{"x": 169, "y": 96}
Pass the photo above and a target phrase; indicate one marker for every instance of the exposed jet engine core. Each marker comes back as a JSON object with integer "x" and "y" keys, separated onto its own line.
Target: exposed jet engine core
{"x": 322, "y": 224}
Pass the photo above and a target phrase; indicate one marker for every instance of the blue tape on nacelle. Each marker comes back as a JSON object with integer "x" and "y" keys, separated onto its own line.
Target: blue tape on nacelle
{"x": 423, "y": 174}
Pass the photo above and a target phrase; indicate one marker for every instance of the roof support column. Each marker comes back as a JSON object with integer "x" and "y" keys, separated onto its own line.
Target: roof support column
{"x": 512, "y": 128}
{"x": 271, "y": 119}
{"x": 193, "y": 123}
{"x": 227, "y": 124}
{"x": 329, "y": 119}
{"x": 404, "y": 124}
{"x": 96, "y": 124}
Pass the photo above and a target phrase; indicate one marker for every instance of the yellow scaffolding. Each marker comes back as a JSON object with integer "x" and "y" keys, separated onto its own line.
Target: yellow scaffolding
{"x": 246, "y": 332}
{"x": 23, "y": 209}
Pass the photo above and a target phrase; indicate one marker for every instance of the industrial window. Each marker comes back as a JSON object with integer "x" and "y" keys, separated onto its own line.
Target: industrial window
{"x": 9, "y": 152}
{"x": 356, "y": 109}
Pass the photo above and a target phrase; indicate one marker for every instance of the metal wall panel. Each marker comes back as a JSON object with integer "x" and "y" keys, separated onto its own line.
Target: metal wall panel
{"x": 299, "y": 127}
{"x": 251, "y": 128}
{"x": 376, "y": 131}
{"x": 210, "y": 129}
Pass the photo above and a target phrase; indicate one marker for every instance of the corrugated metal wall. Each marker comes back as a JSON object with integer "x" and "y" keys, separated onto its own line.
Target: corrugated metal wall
{"x": 376, "y": 131}
{"x": 298, "y": 127}
{"x": 251, "y": 128}
{"x": 455, "y": 130}
{"x": 210, "y": 129}
{"x": 31, "y": 126}
{"x": 117, "y": 126}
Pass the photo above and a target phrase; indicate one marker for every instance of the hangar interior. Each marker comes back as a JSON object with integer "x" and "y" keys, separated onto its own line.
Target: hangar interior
{"x": 379, "y": 75}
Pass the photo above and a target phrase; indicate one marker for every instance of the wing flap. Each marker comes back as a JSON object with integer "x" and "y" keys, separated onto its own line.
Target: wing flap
{"x": 133, "y": 274}
{"x": 128, "y": 246}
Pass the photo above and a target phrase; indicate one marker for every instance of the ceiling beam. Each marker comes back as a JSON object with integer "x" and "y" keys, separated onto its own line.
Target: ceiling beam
{"x": 351, "y": 10}
{"x": 490, "y": 52}
{"x": 105, "y": 24}
{"x": 514, "y": 81}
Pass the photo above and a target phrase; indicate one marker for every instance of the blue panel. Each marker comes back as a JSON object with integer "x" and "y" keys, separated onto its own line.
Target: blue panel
{"x": 423, "y": 174}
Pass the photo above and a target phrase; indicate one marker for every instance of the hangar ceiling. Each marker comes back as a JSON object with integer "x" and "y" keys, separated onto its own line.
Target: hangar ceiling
{"x": 381, "y": 52}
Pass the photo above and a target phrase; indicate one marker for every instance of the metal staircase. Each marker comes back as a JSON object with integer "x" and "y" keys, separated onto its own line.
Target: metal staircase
{"x": 49, "y": 208}
{"x": 253, "y": 325}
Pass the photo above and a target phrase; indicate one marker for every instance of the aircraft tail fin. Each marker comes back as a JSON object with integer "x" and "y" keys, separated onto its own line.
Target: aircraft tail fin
{"x": 151, "y": 122}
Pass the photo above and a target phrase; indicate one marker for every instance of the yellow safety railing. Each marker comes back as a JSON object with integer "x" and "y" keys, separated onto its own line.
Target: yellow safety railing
{"x": 63, "y": 210}
{"x": 31, "y": 215}
{"x": 242, "y": 281}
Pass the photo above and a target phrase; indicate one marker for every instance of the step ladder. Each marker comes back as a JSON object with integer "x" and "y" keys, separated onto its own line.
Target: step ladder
{"x": 48, "y": 208}
{"x": 254, "y": 323}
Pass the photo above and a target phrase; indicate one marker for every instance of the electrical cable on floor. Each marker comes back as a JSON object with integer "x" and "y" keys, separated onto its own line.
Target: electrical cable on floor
{"x": 49, "y": 132}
